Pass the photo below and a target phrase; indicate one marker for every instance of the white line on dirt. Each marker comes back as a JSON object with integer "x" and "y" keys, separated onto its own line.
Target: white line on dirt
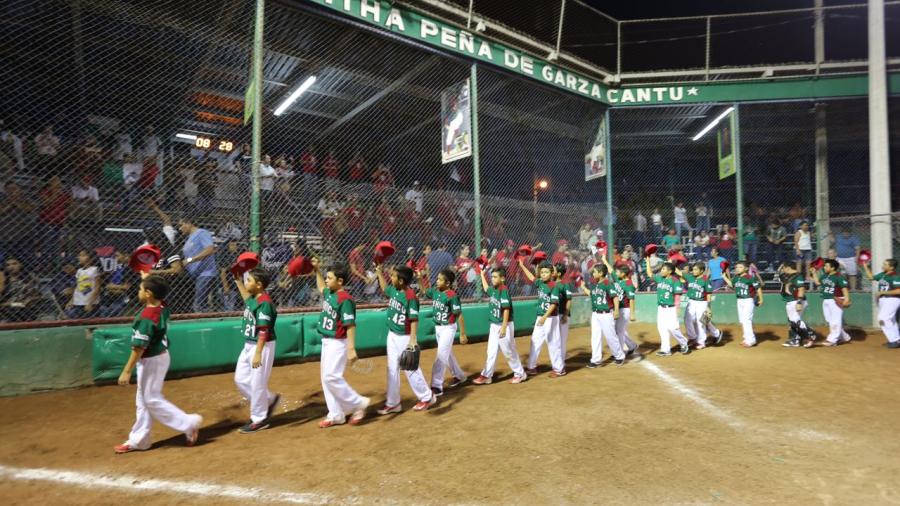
{"x": 692, "y": 395}
{"x": 139, "y": 484}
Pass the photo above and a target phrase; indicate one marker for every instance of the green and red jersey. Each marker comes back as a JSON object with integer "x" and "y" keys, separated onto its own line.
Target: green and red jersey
{"x": 446, "y": 305}
{"x": 259, "y": 314}
{"x": 791, "y": 285}
{"x": 338, "y": 314}
{"x": 602, "y": 294}
{"x": 626, "y": 289}
{"x": 548, "y": 294}
{"x": 833, "y": 286}
{"x": 499, "y": 300}
{"x": 745, "y": 286}
{"x": 565, "y": 295}
{"x": 403, "y": 309}
{"x": 150, "y": 326}
{"x": 698, "y": 286}
{"x": 666, "y": 288}
{"x": 887, "y": 281}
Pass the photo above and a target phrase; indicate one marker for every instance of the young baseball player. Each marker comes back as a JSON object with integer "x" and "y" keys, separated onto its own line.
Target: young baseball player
{"x": 793, "y": 293}
{"x": 565, "y": 307}
{"x": 254, "y": 365}
{"x": 447, "y": 315}
{"x": 546, "y": 327}
{"x": 150, "y": 354}
{"x": 403, "y": 323}
{"x": 888, "y": 299}
{"x": 502, "y": 331}
{"x": 666, "y": 313}
{"x": 835, "y": 297}
{"x": 697, "y": 313}
{"x": 337, "y": 328}
{"x": 626, "y": 293}
{"x": 604, "y": 312}
{"x": 749, "y": 294}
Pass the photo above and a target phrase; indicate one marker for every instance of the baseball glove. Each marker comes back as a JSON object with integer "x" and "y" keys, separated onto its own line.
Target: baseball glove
{"x": 409, "y": 359}
{"x": 706, "y": 317}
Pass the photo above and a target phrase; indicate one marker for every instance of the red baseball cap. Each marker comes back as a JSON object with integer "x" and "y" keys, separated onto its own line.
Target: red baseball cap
{"x": 817, "y": 263}
{"x": 539, "y": 256}
{"x": 482, "y": 261}
{"x": 144, "y": 258}
{"x": 383, "y": 251}
{"x": 524, "y": 250}
{"x": 725, "y": 265}
{"x": 650, "y": 249}
{"x": 864, "y": 256}
{"x": 245, "y": 261}
{"x": 600, "y": 244}
{"x": 299, "y": 266}
{"x": 677, "y": 258}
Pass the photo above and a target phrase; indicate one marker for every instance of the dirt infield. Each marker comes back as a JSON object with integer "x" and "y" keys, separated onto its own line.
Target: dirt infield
{"x": 722, "y": 425}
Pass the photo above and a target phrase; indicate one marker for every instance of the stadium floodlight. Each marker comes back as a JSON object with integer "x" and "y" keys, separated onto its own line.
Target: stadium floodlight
{"x": 713, "y": 124}
{"x": 294, "y": 96}
{"x": 190, "y": 137}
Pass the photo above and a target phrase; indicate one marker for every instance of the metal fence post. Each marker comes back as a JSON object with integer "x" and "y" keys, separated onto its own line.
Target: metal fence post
{"x": 738, "y": 179}
{"x": 610, "y": 226}
{"x": 476, "y": 169}
{"x": 256, "y": 141}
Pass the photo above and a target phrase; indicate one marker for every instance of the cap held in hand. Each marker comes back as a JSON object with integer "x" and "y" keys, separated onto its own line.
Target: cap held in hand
{"x": 383, "y": 251}
{"x": 144, "y": 258}
{"x": 245, "y": 261}
{"x": 650, "y": 249}
{"x": 539, "y": 256}
{"x": 299, "y": 265}
{"x": 865, "y": 256}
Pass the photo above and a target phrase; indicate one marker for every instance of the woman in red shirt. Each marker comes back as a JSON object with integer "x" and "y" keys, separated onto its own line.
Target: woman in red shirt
{"x": 465, "y": 274}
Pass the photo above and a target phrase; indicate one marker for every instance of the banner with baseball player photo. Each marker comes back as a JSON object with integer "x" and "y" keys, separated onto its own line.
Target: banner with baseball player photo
{"x": 597, "y": 159}
{"x": 456, "y": 123}
{"x": 726, "y": 147}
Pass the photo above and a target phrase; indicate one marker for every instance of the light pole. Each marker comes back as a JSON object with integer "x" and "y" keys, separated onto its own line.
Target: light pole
{"x": 540, "y": 184}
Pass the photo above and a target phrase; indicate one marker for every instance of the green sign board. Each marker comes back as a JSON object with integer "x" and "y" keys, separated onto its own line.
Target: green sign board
{"x": 248, "y": 100}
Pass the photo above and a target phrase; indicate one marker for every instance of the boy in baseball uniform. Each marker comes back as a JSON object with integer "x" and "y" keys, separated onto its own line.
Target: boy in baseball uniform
{"x": 546, "y": 327}
{"x": 835, "y": 297}
{"x": 254, "y": 365}
{"x": 626, "y": 292}
{"x": 447, "y": 315}
{"x": 337, "y": 328}
{"x": 749, "y": 294}
{"x": 403, "y": 323}
{"x": 888, "y": 293}
{"x": 566, "y": 291}
{"x": 793, "y": 293}
{"x": 502, "y": 332}
{"x": 697, "y": 313}
{"x": 149, "y": 352}
{"x": 604, "y": 311}
{"x": 666, "y": 313}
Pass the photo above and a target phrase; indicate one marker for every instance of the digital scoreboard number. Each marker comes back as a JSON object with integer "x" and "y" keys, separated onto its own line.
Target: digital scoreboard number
{"x": 218, "y": 145}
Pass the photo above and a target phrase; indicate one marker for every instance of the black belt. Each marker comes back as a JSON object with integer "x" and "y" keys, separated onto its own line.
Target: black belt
{"x": 664, "y": 305}
{"x": 890, "y": 296}
{"x": 603, "y": 312}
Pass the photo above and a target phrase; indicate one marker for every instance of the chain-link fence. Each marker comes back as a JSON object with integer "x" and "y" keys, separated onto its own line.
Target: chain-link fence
{"x": 124, "y": 125}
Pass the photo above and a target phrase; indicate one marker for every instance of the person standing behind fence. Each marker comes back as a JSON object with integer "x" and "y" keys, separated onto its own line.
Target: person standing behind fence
{"x": 803, "y": 246}
{"x": 703, "y": 214}
{"x": 716, "y": 270}
{"x": 847, "y": 247}
{"x": 657, "y": 225}
{"x": 776, "y": 235}
{"x": 86, "y": 297}
{"x": 308, "y": 166}
{"x": 888, "y": 293}
{"x": 680, "y": 220}
{"x": 199, "y": 260}
{"x": 639, "y": 234}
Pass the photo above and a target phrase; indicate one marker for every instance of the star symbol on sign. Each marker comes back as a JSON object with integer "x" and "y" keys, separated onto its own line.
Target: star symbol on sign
{"x": 692, "y": 91}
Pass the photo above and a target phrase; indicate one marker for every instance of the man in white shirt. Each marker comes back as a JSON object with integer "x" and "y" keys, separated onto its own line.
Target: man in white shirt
{"x": 680, "y": 214}
{"x": 657, "y": 224}
{"x": 415, "y": 195}
{"x": 267, "y": 174}
{"x": 639, "y": 235}
{"x": 703, "y": 213}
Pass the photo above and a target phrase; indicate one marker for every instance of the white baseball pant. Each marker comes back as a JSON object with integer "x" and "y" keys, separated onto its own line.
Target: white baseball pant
{"x": 622, "y": 329}
{"x": 834, "y": 315}
{"x": 340, "y": 398}
{"x": 693, "y": 321}
{"x": 604, "y": 326}
{"x": 564, "y": 340}
{"x": 793, "y": 309}
{"x": 507, "y": 345}
{"x": 151, "y": 405}
{"x": 887, "y": 317}
{"x": 254, "y": 383}
{"x": 396, "y": 343}
{"x": 745, "y": 308}
{"x": 549, "y": 333}
{"x": 667, "y": 325}
{"x": 445, "y": 359}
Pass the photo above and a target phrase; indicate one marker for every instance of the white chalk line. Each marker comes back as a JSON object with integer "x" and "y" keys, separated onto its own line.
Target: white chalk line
{"x": 139, "y": 484}
{"x": 724, "y": 416}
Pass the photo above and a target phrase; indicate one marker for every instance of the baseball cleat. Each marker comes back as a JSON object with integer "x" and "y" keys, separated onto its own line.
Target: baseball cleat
{"x": 719, "y": 337}
{"x": 360, "y": 412}
{"x": 791, "y": 343}
{"x": 532, "y": 371}
{"x": 455, "y": 382}
{"x": 637, "y": 357}
{"x": 482, "y": 380}
{"x": 830, "y": 343}
{"x": 254, "y": 427}
{"x": 555, "y": 374}
{"x": 192, "y": 436}
{"x": 125, "y": 448}
{"x": 423, "y": 405}
{"x": 620, "y": 362}
{"x": 685, "y": 349}
{"x": 661, "y": 353}
{"x": 746, "y": 345}
{"x": 700, "y": 346}
{"x": 630, "y": 352}
{"x": 893, "y": 346}
{"x": 516, "y": 379}
{"x": 592, "y": 365}
{"x": 436, "y": 392}
{"x": 389, "y": 409}
{"x": 324, "y": 424}
{"x": 273, "y": 405}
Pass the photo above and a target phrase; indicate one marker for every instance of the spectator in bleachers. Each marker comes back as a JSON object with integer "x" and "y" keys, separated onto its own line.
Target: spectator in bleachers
{"x": 207, "y": 179}
{"x": 13, "y": 146}
{"x": 639, "y": 234}
{"x": 329, "y": 207}
{"x": 18, "y": 293}
{"x": 356, "y": 262}
{"x": 225, "y": 258}
{"x": 847, "y": 246}
{"x": 416, "y": 196}
{"x": 389, "y": 219}
{"x": 701, "y": 245}
{"x": 54, "y": 211}
{"x": 671, "y": 241}
{"x": 797, "y": 215}
{"x": 439, "y": 260}
{"x": 410, "y": 225}
{"x": 465, "y": 273}
{"x": 267, "y": 175}
{"x": 48, "y": 146}
{"x": 382, "y": 179}
{"x": 150, "y": 144}
{"x": 356, "y": 169}
{"x": 132, "y": 169}
{"x": 309, "y": 168}
{"x": 16, "y": 223}
{"x": 776, "y": 235}
{"x": 331, "y": 167}
{"x": 751, "y": 242}
{"x": 727, "y": 244}
{"x": 123, "y": 146}
{"x": 116, "y": 292}
{"x": 171, "y": 267}
{"x": 355, "y": 220}
{"x": 703, "y": 214}
{"x": 657, "y": 225}
{"x": 199, "y": 255}
{"x": 714, "y": 266}
{"x": 803, "y": 246}
{"x": 584, "y": 236}
{"x": 561, "y": 255}
{"x": 680, "y": 219}
{"x": 86, "y": 295}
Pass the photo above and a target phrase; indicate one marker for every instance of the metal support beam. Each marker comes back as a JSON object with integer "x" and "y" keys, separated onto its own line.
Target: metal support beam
{"x": 823, "y": 212}
{"x": 708, "y": 43}
{"x": 476, "y": 166}
{"x": 562, "y": 16}
{"x": 256, "y": 141}
{"x": 820, "y": 35}
{"x": 738, "y": 177}
{"x": 619, "y": 50}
